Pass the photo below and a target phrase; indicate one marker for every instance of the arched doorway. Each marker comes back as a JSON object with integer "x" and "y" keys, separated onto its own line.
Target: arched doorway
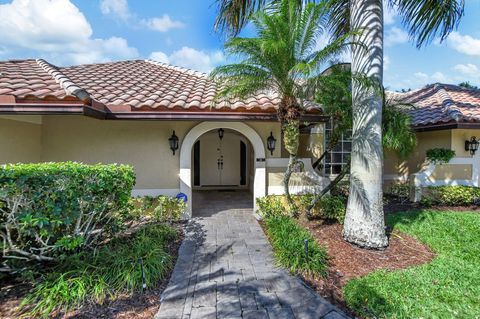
{"x": 186, "y": 167}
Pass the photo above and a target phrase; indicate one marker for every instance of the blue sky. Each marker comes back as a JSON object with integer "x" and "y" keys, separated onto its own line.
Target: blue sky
{"x": 180, "y": 32}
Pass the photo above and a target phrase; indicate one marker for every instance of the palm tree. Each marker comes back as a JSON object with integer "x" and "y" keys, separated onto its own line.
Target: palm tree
{"x": 425, "y": 20}
{"x": 282, "y": 58}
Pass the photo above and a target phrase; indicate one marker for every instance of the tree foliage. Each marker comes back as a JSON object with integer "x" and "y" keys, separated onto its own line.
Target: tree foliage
{"x": 282, "y": 58}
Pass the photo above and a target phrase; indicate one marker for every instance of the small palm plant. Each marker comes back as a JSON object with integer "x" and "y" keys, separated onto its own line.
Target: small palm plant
{"x": 282, "y": 58}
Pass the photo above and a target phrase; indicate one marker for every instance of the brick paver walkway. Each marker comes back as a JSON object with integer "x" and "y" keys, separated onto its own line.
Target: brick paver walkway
{"x": 225, "y": 269}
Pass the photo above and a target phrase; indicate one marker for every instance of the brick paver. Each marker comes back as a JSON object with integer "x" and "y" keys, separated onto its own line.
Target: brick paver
{"x": 225, "y": 269}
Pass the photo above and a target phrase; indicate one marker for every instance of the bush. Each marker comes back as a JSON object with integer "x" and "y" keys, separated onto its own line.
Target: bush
{"x": 450, "y": 196}
{"x": 270, "y": 206}
{"x": 401, "y": 191}
{"x": 341, "y": 189}
{"x": 168, "y": 209}
{"x": 53, "y": 208}
{"x": 160, "y": 209}
{"x": 333, "y": 208}
{"x": 114, "y": 269}
{"x": 287, "y": 239}
{"x": 329, "y": 207}
{"x": 440, "y": 155}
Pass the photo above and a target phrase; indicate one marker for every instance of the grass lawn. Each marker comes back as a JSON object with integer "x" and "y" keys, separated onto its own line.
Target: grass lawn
{"x": 448, "y": 287}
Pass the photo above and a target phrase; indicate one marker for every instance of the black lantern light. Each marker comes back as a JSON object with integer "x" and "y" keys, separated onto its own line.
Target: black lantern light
{"x": 220, "y": 133}
{"x": 173, "y": 141}
{"x": 271, "y": 143}
{"x": 471, "y": 145}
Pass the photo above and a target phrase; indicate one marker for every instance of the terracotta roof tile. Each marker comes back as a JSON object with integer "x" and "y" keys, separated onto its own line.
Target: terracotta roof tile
{"x": 137, "y": 83}
{"x": 440, "y": 103}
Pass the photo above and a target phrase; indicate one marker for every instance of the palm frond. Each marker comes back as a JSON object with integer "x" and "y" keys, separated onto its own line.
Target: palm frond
{"x": 429, "y": 19}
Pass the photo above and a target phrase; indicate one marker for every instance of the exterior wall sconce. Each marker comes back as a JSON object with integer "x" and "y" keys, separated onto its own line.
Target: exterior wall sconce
{"x": 472, "y": 145}
{"x": 220, "y": 133}
{"x": 173, "y": 141}
{"x": 271, "y": 143}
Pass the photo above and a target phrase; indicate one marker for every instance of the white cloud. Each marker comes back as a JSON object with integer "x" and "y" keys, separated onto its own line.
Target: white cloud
{"x": 386, "y": 62}
{"x": 191, "y": 58}
{"x": 56, "y": 30}
{"x": 160, "y": 57}
{"x": 389, "y": 14}
{"x": 439, "y": 77}
{"x": 468, "y": 69}
{"x": 395, "y": 36}
{"x": 420, "y": 76}
{"x": 162, "y": 24}
{"x": 118, "y": 8}
{"x": 464, "y": 44}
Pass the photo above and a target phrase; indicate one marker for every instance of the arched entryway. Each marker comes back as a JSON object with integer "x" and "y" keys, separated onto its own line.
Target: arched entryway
{"x": 186, "y": 171}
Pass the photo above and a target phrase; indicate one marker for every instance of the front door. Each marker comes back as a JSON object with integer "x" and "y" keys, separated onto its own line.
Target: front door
{"x": 220, "y": 160}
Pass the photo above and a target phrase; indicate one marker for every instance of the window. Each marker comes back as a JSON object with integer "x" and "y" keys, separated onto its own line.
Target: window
{"x": 337, "y": 158}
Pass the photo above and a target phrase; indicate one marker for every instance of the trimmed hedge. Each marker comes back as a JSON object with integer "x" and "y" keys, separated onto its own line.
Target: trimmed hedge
{"x": 329, "y": 207}
{"x": 450, "y": 196}
{"x": 52, "y": 208}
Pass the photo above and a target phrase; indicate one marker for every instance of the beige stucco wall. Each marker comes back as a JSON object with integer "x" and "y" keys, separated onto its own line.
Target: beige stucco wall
{"x": 143, "y": 144}
{"x": 20, "y": 139}
{"x": 459, "y": 136}
{"x": 451, "y": 172}
{"x": 263, "y": 129}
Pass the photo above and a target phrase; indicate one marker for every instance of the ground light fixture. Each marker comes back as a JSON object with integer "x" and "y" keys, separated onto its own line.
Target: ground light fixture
{"x": 271, "y": 143}
{"x": 220, "y": 131}
{"x": 471, "y": 145}
{"x": 173, "y": 141}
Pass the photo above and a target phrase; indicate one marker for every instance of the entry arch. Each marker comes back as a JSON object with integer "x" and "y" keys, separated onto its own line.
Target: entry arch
{"x": 259, "y": 179}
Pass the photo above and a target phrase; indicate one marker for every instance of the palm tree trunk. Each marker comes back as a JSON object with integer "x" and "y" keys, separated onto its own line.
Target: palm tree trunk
{"x": 364, "y": 221}
{"x": 286, "y": 181}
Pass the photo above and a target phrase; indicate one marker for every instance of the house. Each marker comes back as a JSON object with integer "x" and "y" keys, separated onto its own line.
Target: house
{"x": 166, "y": 122}
{"x": 163, "y": 120}
{"x": 443, "y": 116}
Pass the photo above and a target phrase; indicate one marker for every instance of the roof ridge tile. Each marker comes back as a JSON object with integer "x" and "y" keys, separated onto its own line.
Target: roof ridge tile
{"x": 448, "y": 103}
{"x": 178, "y": 68}
{"x": 65, "y": 82}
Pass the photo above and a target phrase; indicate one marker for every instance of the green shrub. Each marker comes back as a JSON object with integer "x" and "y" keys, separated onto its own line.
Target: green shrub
{"x": 333, "y": 208}
{"x": 54, "y": 208}
{"x": 287, "y": 239}
{"x": 114, "y": 269}
{"x": 271, "y": 206}
{"x": 401, "y": 191}
{"x": 450, "y": 195}
{"x": 440, "y": 155}
{"x": 168, "y": 208}
{"x": 341, "y": 189}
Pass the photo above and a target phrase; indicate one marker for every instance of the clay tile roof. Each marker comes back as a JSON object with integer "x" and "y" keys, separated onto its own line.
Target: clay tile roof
{"x": 440, "y": 103}
{"x": 24, "y": 78}
{"x": 139, "y": 84}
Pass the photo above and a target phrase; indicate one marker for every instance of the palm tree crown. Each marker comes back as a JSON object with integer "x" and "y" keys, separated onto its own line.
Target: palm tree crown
{"x": 283, "y": 58}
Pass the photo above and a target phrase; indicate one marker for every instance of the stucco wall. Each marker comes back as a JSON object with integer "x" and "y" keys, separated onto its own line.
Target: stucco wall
{"x": 459, "y": 136}
{"x": 263, "y": 129}
{"x": 143, "y": 144}
{"x": 20, "y": 139}
{"x": 451, "y": 172}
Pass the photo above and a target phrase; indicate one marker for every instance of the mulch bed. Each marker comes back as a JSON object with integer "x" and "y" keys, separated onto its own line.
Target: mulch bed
{"x": 349, "y": 261}
{"x": 138, "y": 305}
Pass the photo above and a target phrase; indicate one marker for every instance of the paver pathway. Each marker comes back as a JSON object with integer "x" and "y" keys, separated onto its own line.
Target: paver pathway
{"x": 225, "y": 269}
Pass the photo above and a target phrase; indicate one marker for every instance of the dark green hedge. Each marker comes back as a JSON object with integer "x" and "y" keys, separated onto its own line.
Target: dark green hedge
{"x": 50, "y": 207}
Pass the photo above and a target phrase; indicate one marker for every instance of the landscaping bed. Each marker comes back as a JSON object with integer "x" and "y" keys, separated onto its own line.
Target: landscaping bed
{"x": 347, "y": 261}
{"x": 76, "y": 245}
{"x": 124, "y": 305}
